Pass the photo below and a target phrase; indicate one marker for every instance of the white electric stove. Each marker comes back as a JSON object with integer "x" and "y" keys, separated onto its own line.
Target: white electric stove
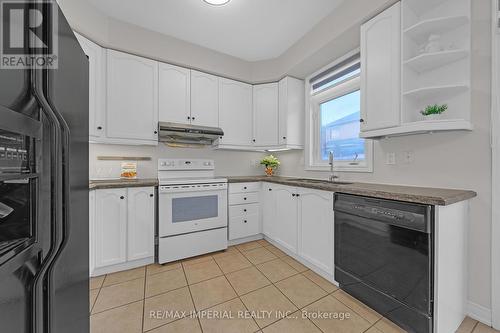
{"x": 192, "y": 209}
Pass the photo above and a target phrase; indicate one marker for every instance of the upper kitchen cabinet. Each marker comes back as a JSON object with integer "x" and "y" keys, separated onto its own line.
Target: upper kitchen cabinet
{"x": 291, "y": 113}
{"x": 204, "y": 99}
{"x": 174, "y": 94}
{"x": 235, "y": 114}
{"x": 132, "y": 99}
{"x": 380, "y": 70}
{"x": 97, "y": 79}
{"x": 435, "y": 64}
{"x": 265, "y": 115}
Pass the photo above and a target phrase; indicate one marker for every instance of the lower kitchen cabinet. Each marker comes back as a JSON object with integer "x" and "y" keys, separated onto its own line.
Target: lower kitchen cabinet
{"x": 244, "y": 211}
{"x": 286, "y": 218}
{"x": 301, "y": 221}
{"x": 316, "y": 228}
{"x": 122, "y": 234}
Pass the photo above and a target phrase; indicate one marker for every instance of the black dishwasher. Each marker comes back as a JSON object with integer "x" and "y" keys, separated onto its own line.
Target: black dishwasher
{"x": 384, "y": 257}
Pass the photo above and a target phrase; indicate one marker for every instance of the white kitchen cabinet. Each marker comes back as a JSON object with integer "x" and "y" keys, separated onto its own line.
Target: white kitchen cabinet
{"x": 141, "y": 223}
{"x": 91, "y": 231}
{"x": 174, "y": 94}
{"x": 132, "y": 99}
{"x": 110, "y": 227}
{"x": 286, "y": 218}
{"x": 381, "y": 70}
{"x": 265, "y": 115}
{"x": 316, "y": 228}
{"x": 235, "y": 113}
{"x": 121, "y": 229}
{"x": 244, "y": 212}
{"x": 291, "y": 113}
{"x": 97, "y": 79}
{"x": 268, "y": 211}
{"x": 204, "y": 99}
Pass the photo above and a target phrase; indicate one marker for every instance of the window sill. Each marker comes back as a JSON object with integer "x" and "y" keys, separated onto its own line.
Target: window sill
{"x": 360, "y": 168}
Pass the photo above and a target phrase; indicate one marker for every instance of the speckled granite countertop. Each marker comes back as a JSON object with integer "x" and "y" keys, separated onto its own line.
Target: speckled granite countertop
{"x": 120, "y": 183}
{"x": 423, "y": 195}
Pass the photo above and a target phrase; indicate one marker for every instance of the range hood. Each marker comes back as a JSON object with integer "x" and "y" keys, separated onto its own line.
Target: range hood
{"x": 188, "y": 134}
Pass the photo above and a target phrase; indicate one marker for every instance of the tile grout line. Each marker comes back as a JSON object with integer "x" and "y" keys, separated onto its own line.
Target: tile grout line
{"x": 144, "y": 298}
{"x": 192, "y": 299}
{"x": 237, "y": 295}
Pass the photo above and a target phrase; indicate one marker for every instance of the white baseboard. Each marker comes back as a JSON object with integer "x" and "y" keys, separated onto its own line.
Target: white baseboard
{"x": 245, "y": 240}
{"x": 479, "y": 313}
{"x": 122, "y": 267}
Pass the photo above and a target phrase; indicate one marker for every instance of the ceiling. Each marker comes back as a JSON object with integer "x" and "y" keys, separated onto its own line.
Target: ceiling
{"x": 251, "y": 30}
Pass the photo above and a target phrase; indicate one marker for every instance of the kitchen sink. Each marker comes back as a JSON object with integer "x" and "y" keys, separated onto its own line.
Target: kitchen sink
{"x": 319, "y": 181}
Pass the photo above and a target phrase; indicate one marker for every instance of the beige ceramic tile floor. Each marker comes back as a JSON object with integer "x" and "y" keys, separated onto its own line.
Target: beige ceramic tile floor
{"x": 252, "y": 287}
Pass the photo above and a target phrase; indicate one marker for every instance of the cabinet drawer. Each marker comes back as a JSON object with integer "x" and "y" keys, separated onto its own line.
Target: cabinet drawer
{"x": 243, "y": 210}
{"x": 244, "y": 187}
{"x": 244, "y": 226}
{"x": 243, "y": 198}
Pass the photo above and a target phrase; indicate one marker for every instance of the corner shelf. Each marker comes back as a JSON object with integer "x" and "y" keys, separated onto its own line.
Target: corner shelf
{"x": 421, "y": 31}
{"x": 420, "y": 127}
{"x": 429, "y": 61}
{"x": 443, "y": 92}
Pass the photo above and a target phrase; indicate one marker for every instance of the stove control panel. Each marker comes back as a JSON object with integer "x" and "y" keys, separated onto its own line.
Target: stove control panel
{"x": 185, "y": 164}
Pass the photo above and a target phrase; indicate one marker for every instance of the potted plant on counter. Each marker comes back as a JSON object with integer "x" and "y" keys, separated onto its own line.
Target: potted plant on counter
{"x": 271, "y": 163}
{"x": 433, "y": 112}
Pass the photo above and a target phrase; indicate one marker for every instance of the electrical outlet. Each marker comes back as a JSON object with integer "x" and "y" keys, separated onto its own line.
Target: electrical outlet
{"x": 390, "y": 158}
{"x": 408, "y": 157}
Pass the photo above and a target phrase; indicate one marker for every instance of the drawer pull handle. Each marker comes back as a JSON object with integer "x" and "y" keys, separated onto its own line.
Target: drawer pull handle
{"x": 151, "y": 195}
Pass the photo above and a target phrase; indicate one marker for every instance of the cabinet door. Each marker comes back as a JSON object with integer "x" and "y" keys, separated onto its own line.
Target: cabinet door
{"x": 110, "y": 227}
{"x": 286, "y": 217}
{"x": 132, "y": 100}
{"x": 291, "y": 112}
{"x": 235, "y": 112}
{"x": 381, "y": 70}
{"x": 204, "y": 99}
{"x": 265, "y": 114}
{"x": 97, "y": 74}
{"x": 316, "y": 227}
{"x": 141, "y": 219}
{"x": 174, "y": 94}
{"x": 268, "y": 203}
{"x": 91, "y": 231}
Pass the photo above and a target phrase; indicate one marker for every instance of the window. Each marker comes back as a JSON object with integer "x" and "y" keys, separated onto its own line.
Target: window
{"x": 334, "y": 119}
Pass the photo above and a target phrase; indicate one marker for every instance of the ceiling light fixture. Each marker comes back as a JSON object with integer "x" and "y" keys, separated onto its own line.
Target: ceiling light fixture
{"x": 217, "y": 2}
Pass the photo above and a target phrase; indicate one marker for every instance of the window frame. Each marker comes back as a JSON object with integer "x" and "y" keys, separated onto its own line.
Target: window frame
{"x": 313, "y": 161}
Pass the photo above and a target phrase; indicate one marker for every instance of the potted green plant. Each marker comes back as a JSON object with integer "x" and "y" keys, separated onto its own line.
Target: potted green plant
{"x": 271, "y": 163}
{"x": 433, "y": 112}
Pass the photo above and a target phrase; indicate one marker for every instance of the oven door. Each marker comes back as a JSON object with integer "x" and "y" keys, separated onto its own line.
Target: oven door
{"x": 189, "y": 208}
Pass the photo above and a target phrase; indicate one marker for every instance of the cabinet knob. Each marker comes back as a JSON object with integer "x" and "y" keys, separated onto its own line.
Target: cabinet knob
{"x": 297, "y": 195}
{"x": 99, "y": 128}
{"x": 151, "y": 195}
{"x": 361, "y": 120}
{"x": 244, "y": 198}
{"x": 156, "y": 132}
{"x": 293, "y": 194}
{"x": 245, "y": 188}
{"x": 189, "y": 118}
{"x": 193, "y": 118}
{"x": 122, "y": 197}
{"x": 245, "y": 210}
{"x": 270, "y": 189}
{"x": 253, "y": 140}
{"x": 284, "y": 138}
{"x": 245, "y": 221}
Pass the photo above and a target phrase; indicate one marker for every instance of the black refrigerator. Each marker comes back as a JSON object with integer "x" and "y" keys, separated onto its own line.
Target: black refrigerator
{"x": 44, "y": 247}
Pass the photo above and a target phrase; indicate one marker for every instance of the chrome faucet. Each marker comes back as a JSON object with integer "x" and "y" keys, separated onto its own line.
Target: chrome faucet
{"x": 333, "y": 178}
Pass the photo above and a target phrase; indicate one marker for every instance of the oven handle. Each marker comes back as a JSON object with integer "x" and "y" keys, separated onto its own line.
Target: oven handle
{"x": 164, "y": 190}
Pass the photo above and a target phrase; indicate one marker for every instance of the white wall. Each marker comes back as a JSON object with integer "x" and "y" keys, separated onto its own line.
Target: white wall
{"x": 456, "y": 160}
{"x": 460, "y": 159}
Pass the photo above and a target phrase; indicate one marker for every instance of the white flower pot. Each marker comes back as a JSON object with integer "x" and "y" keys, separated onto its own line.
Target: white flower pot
{"x": 432, "y": 117}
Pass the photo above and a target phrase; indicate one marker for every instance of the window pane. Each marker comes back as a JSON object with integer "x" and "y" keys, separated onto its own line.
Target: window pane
{"x": 348, "y": 73}
{"x": 340, "y": 128}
